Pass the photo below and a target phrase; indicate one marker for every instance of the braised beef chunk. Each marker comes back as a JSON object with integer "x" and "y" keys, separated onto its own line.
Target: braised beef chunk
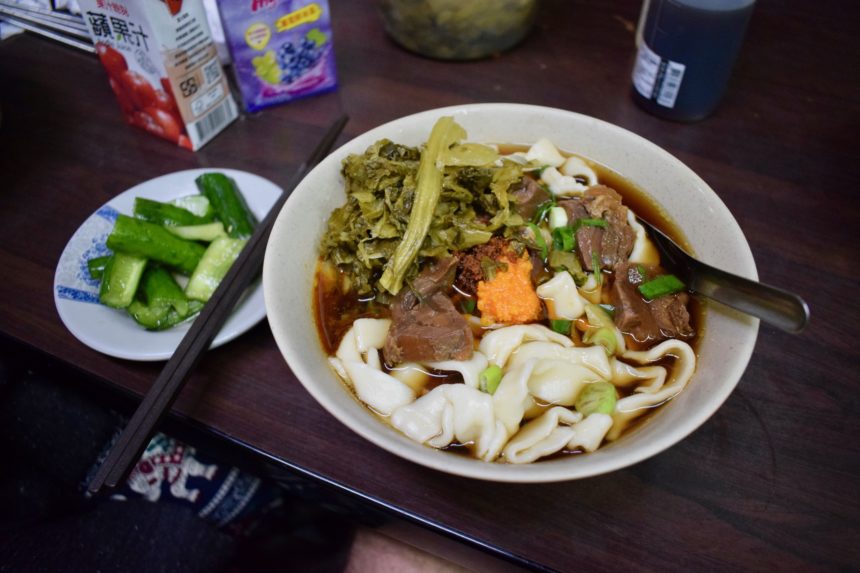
{"x": 672, "y": 315}
{"x": 604, "y": 202}
{"x": 588, "y": 239}
{"x": 575, "y": 209}
{"x": 632, "y": 315}
{"x": 425, "y": 326}
{"x": 647, "y": 321}
{"x": 612, "y": 244}
{"x": 437, "y": 277}
{"x": 528, "y": 197}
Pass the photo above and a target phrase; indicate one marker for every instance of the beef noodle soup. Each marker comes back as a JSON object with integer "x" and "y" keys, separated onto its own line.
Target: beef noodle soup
{"x": 500, "y": 301}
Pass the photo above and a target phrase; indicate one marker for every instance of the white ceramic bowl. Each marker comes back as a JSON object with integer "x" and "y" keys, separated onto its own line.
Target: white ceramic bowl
{"x": 724, "y": 350}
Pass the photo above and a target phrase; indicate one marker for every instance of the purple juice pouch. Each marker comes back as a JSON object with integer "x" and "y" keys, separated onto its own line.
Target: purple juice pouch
{"x": 281, "y": 49}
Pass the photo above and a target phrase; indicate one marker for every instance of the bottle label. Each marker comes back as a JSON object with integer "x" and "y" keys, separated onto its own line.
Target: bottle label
{"x": 657, "y": 78}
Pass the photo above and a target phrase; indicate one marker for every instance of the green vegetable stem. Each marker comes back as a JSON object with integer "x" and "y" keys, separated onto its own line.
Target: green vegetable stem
{"x": 428, "y": 189}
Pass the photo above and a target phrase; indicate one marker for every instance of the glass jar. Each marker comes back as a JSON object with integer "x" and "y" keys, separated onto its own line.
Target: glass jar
{"x": 458, "y": 29}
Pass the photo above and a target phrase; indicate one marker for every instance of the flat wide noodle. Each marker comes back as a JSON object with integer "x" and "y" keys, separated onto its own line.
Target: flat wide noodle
{"x": 559, "y": 382}
{"x": 512, "y": 397}
{"x": 638, "y": 403}
{"x": 543, "y": 376}
{"x": 453, "y": 413}
{"x": 498, "y": 345}
{"x": 556, "y": 429}
{"x": 560, "y": 291}
{"x": 470, "y": 369}
{"x": 592, "y": 357}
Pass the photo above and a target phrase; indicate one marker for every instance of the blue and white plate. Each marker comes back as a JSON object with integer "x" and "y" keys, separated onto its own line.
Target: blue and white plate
{"x": 112, "y": 331}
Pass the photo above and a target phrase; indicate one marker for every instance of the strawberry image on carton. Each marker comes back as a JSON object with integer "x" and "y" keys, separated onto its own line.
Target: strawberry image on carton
{"x": 162, "y": 66}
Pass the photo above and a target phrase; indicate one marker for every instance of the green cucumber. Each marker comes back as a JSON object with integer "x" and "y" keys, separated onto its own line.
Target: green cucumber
{"x": 120, "y": 279}
{"x": 208, "y": 232}
{"x": 160, "y": 316}
{"x": 160, "y": 288}
{"x": 166, "y": 214}
{"x": 196, "y": 204}
{"x": 151, "y": 317}
{"x": 144, "y": 239}
{"x": 96, "y": 266}
{"x": 217, "y": 260}
{"x": 228, "y": 203}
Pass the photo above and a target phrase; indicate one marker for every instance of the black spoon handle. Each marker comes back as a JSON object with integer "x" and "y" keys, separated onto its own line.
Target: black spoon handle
{"x": 773, "y": 305}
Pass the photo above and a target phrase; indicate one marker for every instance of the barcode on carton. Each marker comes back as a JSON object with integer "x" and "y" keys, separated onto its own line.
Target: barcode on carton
{"x": 216, "y": 119}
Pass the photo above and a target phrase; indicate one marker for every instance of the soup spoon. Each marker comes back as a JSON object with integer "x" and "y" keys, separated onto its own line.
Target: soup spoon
{"x": 773, "y": 305}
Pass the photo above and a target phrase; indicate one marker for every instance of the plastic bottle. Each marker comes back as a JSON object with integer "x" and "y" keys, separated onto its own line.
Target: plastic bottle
{"x": 687, "y": 49}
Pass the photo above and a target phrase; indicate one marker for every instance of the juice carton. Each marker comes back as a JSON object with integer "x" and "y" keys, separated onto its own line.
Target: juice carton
{"x": 281, "y": 49}
{"x": 162, "y": 66}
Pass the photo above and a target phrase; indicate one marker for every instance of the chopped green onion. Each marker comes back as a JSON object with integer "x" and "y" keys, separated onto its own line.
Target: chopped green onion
{"x": 603, "y": 336}
{"x": 589, "y": 223}
{"x": 468, "y": 305}
{"x": 595, "y": 267}
{"x": 561, "y": 326}
{"x": 539, "y": 240}
{"x": 596, "y": 398}
{"x": 597, "y": 316}
{"x": 490, "y": 379}
{"x": 562, "y": 239}
{"x": 641, "y": 270}
{"x": 661, "y": 286}
{"x": 542, "y": 210}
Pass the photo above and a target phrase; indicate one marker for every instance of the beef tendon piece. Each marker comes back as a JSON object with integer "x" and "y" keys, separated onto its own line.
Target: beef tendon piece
{"x": 425, "y": 326}
{"x": 648, "y": 322}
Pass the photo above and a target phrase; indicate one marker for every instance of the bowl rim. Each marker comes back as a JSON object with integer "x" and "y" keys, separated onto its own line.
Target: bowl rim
{"x": 392, "y": 441}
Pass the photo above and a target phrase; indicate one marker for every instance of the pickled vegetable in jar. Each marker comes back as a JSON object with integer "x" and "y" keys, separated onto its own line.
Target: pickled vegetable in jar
{"x": 457, "y": 30}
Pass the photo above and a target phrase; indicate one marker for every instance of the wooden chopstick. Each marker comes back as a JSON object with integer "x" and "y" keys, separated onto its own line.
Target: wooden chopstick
{"x": 169, "y": 383}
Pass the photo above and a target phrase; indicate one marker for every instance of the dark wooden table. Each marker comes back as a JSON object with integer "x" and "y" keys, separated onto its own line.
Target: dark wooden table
{"x": 769, "y": 483}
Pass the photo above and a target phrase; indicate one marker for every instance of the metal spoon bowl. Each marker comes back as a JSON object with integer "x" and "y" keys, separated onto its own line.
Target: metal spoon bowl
{"x": 773, "y": 305}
